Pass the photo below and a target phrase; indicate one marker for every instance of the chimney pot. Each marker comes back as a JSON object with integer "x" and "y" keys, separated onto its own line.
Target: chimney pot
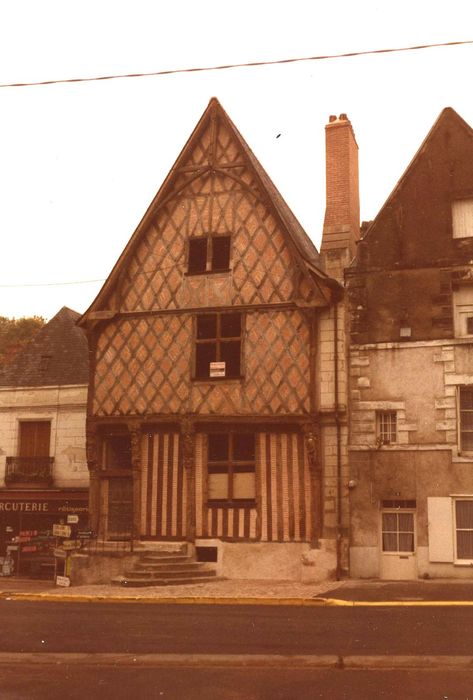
{"x": 343, "y": 117}
{"x": 332, "y": 118}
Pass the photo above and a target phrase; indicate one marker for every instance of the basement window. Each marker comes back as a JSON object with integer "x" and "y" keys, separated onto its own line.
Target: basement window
{"x": 218, "y": 346}
{"x": 209, "y": 254}
{"x": 386, "y": 427}
{"x": 231, "y": 469}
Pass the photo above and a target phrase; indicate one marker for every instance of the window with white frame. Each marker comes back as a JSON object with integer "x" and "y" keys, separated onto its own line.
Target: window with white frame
{"x": 397, "y": 528}
{"x": 464, "y": 529}
{"x": 465, "y": 422}
{"x": 462, "y": 218}
{"x": 463, "y": 311}
{"x": 386, "y": 427}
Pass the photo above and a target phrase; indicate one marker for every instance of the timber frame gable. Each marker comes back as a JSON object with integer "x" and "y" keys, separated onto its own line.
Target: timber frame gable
{"x": 198, "y": 197}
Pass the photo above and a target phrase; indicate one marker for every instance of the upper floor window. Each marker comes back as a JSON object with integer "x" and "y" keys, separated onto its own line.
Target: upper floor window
{"x": 209, "y": 254}
{"x": 466, "y": 418}
{"x": 386, "y": 427}
{"x": 462, "y": 218}
{"x": 231, "y": 469}
{"x": 218, "y": 345}
{"x": 463, "y": 310}
{"x": 34, "y": 438}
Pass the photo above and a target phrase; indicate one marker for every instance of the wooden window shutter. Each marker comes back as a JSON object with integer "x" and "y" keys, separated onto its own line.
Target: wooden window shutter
{"x": 440, "y": 517}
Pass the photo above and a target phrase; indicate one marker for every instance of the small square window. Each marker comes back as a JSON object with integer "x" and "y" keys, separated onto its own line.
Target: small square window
{"x": 209, "y": 254}
{"x": 463, "y": 310}
{"x": 386, "y": 427}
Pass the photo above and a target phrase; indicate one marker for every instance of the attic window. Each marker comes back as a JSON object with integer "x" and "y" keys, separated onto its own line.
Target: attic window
{"x": 462, "y": 218}
{"x": 208, "y": 254}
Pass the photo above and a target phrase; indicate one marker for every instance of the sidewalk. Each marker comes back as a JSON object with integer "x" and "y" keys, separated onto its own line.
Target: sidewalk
{"x": 347, "y": 592}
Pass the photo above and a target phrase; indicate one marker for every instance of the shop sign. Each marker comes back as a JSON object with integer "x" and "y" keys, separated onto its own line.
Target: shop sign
{"x": 51, "y": 506}
{"x": 59, "y": 553}
{"x": 61, "y": 530}
{"x": 72, "y": 519}
{"x": 63, "y": 581}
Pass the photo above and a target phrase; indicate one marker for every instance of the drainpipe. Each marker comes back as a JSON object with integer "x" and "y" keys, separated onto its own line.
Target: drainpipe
{"x": 338, "y": 441}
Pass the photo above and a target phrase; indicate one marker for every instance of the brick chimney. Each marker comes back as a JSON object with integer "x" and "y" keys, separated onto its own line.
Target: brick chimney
{"x": 342, "y": 213}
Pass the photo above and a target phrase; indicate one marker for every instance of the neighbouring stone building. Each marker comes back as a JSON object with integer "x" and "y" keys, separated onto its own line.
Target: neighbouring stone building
{"x": 410, "y": 300}
{"x": 43, "y": 467}
{"x": 217, "y": 400}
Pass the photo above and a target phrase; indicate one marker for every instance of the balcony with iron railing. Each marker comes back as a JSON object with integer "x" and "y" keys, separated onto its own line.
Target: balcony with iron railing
{"x": 29, "y": 470}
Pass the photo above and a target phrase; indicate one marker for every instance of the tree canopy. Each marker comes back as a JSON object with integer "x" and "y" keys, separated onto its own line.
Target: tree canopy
{"x": 15, "y": 333}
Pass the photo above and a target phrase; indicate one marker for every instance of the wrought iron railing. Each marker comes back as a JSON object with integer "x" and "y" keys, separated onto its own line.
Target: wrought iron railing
{"x": 29, "y": 469}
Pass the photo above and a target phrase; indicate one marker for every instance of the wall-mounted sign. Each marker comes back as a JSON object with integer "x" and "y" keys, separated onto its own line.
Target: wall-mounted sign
{"x": 59, "y": 553}
{"x": 61, "y": 530}
{"x": 71, "y": 544}
{"x": 217, "y": 369}
{"x": 63, "y": 581}
{"x": 72, "y": 519}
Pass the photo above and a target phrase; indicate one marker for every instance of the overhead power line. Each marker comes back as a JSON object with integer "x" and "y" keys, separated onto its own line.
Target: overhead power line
{"x": 227, "y": 66}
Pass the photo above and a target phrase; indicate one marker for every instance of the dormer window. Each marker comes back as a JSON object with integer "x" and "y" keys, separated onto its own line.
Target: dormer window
{"x": 208, "y": 254}
{"x": 462, "y": 218}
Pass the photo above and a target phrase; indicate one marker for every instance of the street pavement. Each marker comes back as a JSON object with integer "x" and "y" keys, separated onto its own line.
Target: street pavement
{"x": 348, "y": 591}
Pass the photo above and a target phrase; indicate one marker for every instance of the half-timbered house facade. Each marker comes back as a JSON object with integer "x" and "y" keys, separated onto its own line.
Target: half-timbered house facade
{"x": 203, "y": 417}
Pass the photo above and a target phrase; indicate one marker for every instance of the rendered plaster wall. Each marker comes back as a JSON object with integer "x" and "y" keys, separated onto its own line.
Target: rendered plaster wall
{"x": 274, "y": 561}
{"x": 65, "y": 408}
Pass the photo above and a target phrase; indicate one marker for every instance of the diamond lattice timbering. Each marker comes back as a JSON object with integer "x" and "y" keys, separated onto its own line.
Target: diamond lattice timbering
{"x": 277, "y": 362}
{"x": 226, "y": 200}
{"x": 143, "y": 366}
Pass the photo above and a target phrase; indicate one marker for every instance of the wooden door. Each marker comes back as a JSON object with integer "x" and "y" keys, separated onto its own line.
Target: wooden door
{"x": 120, "y": 507}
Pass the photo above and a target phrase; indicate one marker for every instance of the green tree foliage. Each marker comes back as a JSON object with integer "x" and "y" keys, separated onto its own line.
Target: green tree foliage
{"x": 15, "y": 333}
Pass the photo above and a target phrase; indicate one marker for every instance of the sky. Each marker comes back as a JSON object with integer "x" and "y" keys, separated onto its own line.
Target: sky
{"x": 81, "y": 162}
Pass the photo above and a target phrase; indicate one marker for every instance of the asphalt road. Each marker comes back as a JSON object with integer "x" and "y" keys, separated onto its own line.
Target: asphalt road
{"x": 28, "y": 626}
{"x": 57, "y": 650}
{"x": 114, "y": 683}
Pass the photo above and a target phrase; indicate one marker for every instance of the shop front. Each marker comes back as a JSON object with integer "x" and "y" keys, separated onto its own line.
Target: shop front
{"x": 26, "y": 528}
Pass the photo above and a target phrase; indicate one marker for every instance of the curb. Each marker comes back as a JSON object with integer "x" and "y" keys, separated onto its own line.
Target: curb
{"x": 210, "y": 600}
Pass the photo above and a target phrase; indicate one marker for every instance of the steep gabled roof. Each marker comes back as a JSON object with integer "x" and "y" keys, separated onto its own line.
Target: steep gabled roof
{"x": 57, "y": 355}
{"x": 448, "y": 114}
{"x": 302, "y": 246}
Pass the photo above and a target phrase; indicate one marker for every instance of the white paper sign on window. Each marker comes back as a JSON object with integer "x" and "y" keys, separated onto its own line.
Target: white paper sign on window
{"x": 217, "y": 369}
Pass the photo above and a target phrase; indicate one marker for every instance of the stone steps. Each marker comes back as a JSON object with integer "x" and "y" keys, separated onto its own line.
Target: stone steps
{"x": 165, "y": 568}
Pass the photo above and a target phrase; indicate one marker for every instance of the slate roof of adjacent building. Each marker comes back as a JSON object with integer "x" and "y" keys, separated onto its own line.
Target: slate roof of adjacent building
{"x": 57, "y": 355}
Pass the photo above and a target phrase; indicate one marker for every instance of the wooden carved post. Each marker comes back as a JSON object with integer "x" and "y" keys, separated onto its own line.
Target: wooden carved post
{"x": 91, "y": 446}
{"x": 188, "y": 451}
{"x": 315, "y": 471}
{"x": 135, "y": 439}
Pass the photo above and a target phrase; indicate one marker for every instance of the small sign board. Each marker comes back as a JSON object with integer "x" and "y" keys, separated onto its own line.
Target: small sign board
{"x": 59, "y": 553}
{"x": 72, "y": 519}
{"x": 86, "y": 534}
{"x": 217, "y": 369}
{"x": 71, "y": 544}
{"x": 63, "y": 581}
{"x": 61, "y": 530}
